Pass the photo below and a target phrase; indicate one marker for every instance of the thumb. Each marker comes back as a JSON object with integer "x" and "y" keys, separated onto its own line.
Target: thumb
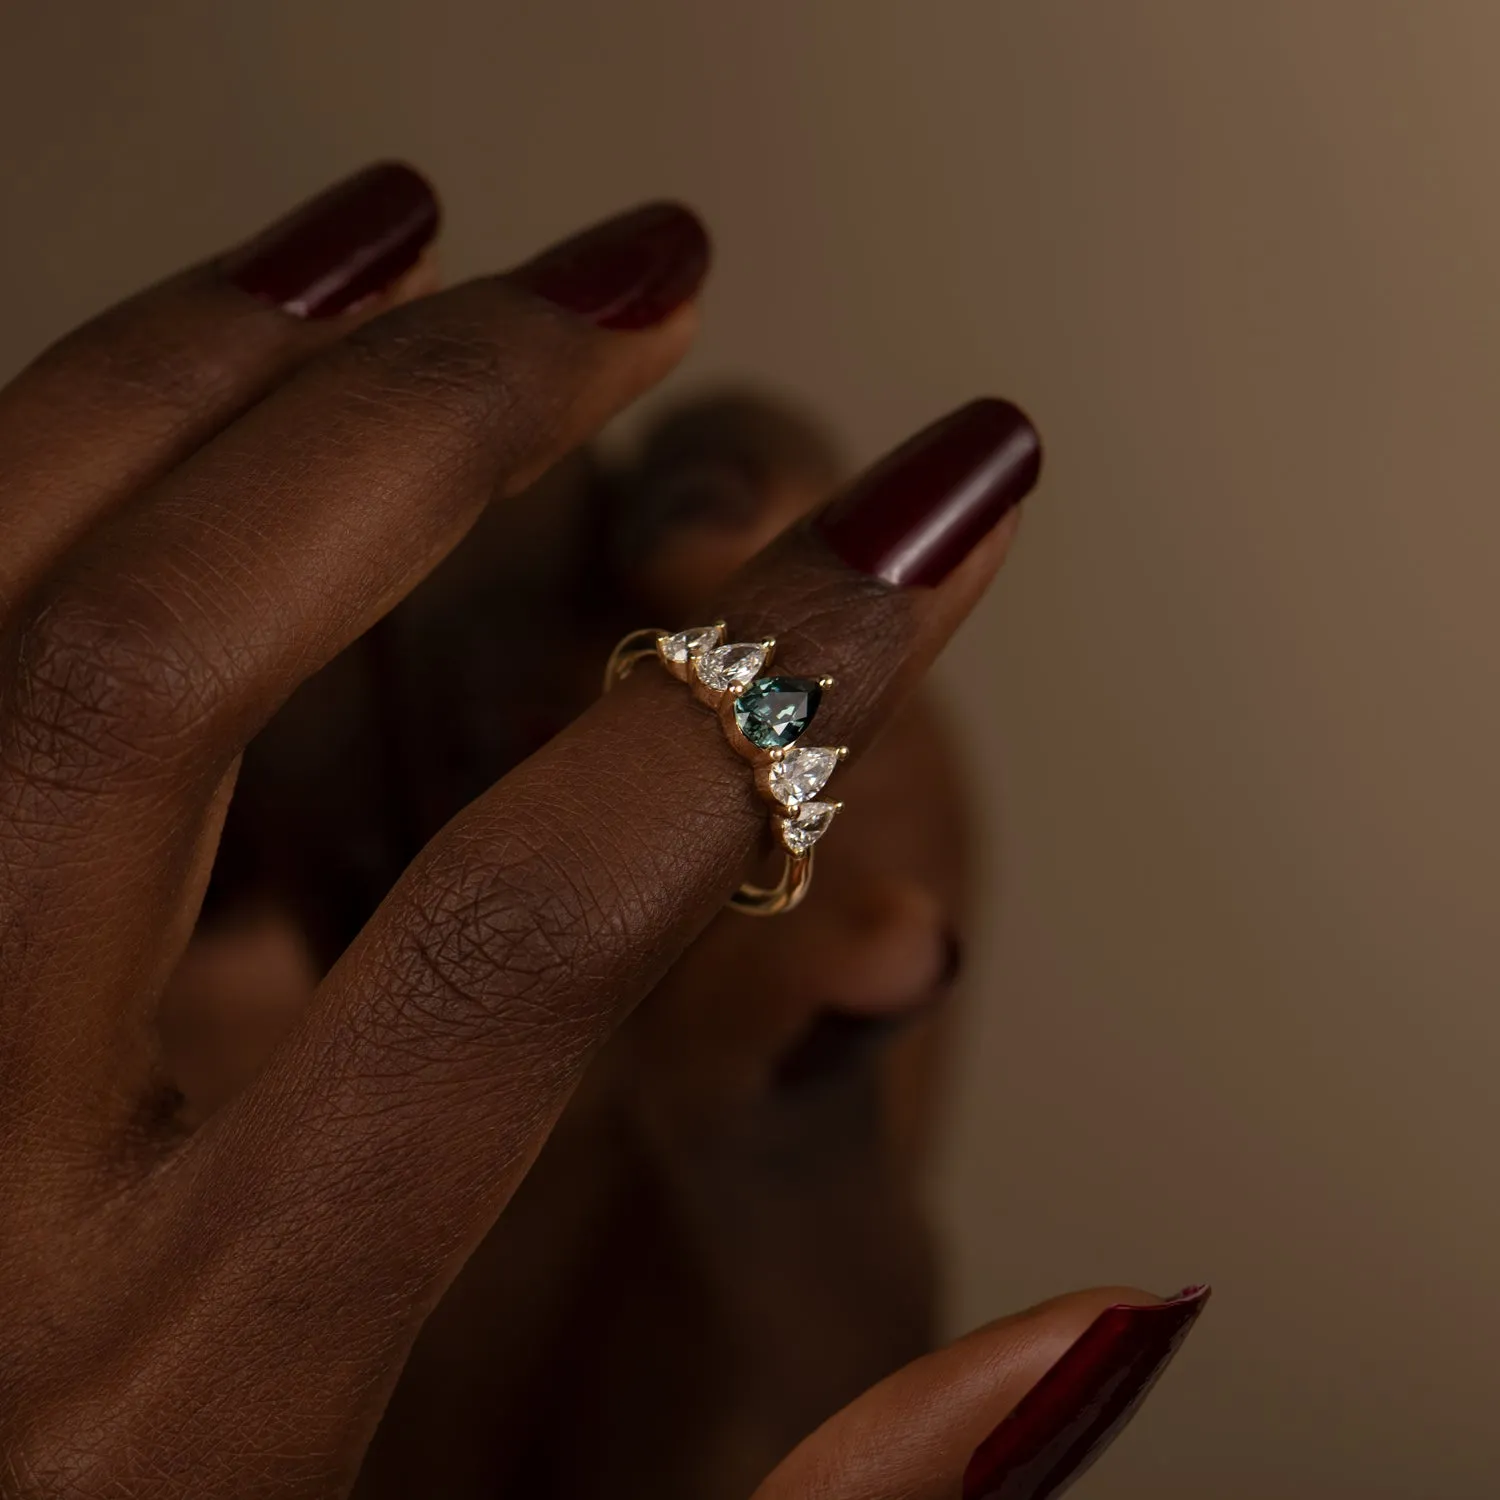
{"x": 1015, "y": 1411}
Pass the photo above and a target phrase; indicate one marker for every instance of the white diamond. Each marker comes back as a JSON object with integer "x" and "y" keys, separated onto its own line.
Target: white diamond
{"x": 677, "y": 648}
{"x": 801, "y": 773}
{"x": 801, "y": 832}
{"x": 730, "y": 666}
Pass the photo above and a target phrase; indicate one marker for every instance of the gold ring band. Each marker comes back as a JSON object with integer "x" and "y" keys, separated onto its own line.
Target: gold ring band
{"x": 763, "y": 717}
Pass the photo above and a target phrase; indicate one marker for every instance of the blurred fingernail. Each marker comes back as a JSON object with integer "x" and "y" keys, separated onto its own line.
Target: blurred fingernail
{"x": 838, "y": 1041}
{"x": 348, "y": 244}
{"x": 836, "y": 1044}
{"x": 953, "y": 961}
{"x": 1080, "y": 1405}
{"x": 706, "y": 493}
{"x": 633, "y": 271}
{"x": 921, "y": 510}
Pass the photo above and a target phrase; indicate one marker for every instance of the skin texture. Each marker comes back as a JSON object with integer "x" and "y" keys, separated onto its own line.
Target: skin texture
{"x": 252, "y": 1168}
{"x": 689, "y": 1097}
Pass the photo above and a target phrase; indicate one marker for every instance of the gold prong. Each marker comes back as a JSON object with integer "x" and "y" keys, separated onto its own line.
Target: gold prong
{"x": 842, "y": 752}
{"x": 720, "y": 625}
{"x": 838, "y": 807}
{"x": 776, "y": 755}
{"x": 768, "y": 645}
{"x": 825, "y": 683}
{"x": 735, "y": 689}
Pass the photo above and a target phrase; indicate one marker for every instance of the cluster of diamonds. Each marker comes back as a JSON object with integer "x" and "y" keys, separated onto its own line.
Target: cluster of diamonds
{"x": 765, "y": 716}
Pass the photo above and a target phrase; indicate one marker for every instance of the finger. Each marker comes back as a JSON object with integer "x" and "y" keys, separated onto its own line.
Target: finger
{"x": 714, "y": 481}
{"x": 449, "y": 1037}
{"x": 123, "y": 399}
{"x": 174, "y": 630}
{"x": 1016, "y": 1411}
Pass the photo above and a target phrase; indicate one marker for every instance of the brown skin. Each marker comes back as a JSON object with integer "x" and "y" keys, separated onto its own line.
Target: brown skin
{"x": 228, "y": 1219}
{"x": 800, "y": 1052}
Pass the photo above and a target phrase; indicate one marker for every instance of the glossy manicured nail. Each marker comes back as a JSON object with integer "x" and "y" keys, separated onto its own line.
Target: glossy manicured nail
{"x": 920, "y": 511}
{"x": 1078, "y": 1407}
{"x": 633, "y": 271}
{"x": 348, "y": 244}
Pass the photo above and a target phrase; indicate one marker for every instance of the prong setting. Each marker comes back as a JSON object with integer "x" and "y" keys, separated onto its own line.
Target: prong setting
{"x": 764, "y": 717}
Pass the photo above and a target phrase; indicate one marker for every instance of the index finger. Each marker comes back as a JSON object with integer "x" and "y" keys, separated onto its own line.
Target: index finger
{"x": 392, "y": 1128}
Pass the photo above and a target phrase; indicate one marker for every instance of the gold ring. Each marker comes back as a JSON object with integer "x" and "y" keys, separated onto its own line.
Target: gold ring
{"x": 763, "y": 717}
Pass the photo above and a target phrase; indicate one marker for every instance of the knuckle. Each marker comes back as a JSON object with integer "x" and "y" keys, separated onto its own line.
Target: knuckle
{"x": 455, "y": 366}
{"x": 476, "y": 363}
{"x": 93, "y": 684}
{"x": 489, "y": 952}
{"x": 146, "y": 355}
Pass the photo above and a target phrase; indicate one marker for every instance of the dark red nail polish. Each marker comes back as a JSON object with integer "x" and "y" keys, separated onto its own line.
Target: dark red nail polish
{"x": 633, "y": 271}
{"x": 343, "y": 246}
{"x": 1078, "y": 1407}
{"x": 920, "y": 511}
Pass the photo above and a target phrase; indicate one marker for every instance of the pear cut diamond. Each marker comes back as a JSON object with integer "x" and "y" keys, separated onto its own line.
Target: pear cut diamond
{"x": 802, "y": 773}
{"x": 730, "y": 666}
{"x": 801, "y": 831}
{"x": 687, "y": 643}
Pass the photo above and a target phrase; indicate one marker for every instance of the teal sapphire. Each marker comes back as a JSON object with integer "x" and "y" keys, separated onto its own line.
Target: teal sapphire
{"x": 773, "y": 711}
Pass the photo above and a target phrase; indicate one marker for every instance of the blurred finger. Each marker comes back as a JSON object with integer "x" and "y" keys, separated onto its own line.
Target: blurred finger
{"x": 714, "y": 481}
{"x": 1016, "y": 1411}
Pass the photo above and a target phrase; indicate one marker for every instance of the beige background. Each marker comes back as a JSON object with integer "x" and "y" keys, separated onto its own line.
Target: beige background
{"x": 1239, "y": 1014}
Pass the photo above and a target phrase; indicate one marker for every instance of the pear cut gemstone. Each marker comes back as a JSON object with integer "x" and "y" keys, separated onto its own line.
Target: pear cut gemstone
{"x": 801, "y": 832}
{"x": 801, "y": 773}
{"x": 686, "y": 643}
{"x": 730, "y": 666}
{"x": 771, "y": 713}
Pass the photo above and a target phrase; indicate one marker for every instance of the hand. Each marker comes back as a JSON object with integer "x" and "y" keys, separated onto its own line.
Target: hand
{"x": 747, "y": 1144}
{"x": 205, "y": 500}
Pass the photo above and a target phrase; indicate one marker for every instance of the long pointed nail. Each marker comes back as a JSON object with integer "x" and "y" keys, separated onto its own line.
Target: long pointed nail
{"x": 632, "y": 271}
{"x": 343, "y": 247}
{"x": 923, "y": 508}
{"x": 1077, "y": 1409}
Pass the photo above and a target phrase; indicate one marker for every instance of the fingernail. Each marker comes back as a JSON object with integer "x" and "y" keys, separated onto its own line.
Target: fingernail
{"x": 1079, "y": 1406}
{"x": 921, "y": 510}
{"x": 346, "y": 245}
{"x": 633, "y": 271}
